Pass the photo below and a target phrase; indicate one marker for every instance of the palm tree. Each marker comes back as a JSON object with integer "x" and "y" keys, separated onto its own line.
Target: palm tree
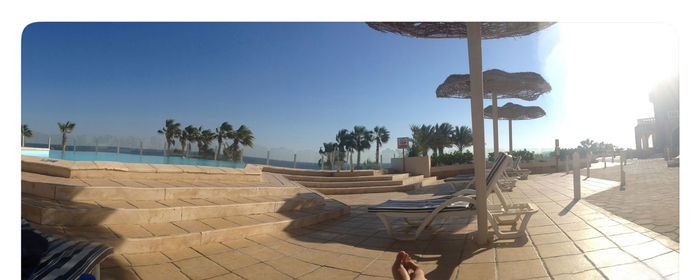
{"x": 223, "y": 132}
{"x": 65, "y": 128}
{"x": 26, "y": 132}
{"x": 443, "y": 133}
{"x": 344, "y": 143}
{"x": 422, "y": 138}
{"x": 183, "y": 136}
{"x": 241, "y": 136}
{"x": 192, "y": 136}
{"x": 361, "y": 140}
{"x": 171, "y": 130}
{"x": 586, "y": 145}
{"x": 327, "y": 151}
{"x": 205, "y": 139}
{"x": 462, "y": 137}
{"x": 381, "y": 135}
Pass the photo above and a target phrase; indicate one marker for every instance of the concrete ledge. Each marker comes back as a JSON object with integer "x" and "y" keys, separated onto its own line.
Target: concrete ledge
{"x": 120, "y": 170}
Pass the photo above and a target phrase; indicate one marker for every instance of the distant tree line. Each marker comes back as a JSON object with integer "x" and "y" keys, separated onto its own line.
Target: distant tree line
{"x": 205, "y": 137}
{"x": 357, "y": 140}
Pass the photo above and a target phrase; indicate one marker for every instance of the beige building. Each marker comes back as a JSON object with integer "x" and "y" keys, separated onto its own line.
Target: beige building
{"x": 654, "y": 135}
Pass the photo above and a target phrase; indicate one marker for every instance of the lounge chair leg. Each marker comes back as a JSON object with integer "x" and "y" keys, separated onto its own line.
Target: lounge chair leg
{"x": 386, "y": 224}
{"x": 413, "y": 224}
{"x": 96, "y": 272}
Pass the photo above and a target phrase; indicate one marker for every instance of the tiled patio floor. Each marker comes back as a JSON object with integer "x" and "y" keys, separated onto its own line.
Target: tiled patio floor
{"x": 565, "y": 240}
{"x": 649, "y": 199}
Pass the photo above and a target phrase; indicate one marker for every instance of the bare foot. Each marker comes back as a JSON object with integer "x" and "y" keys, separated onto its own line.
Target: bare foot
{"x": 405, "y": 269}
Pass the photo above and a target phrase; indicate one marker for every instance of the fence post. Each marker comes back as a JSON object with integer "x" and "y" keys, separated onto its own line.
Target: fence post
{"x": 49, "y": 143}
{"x": 268, "y": 158}
{"x": 577, "y": 177}
{"x": 141, "y": 150}
{"x": 605, "y": 163}
{"x": 380, "y": 162}
{"x": 295, "y": 160}
{"x": 588, "y": 165}
{"x": 117, "y": 146}
{"x": 74, "y": 143}
{"x": 622, "y": 171}
{"x": 566, "y": 164}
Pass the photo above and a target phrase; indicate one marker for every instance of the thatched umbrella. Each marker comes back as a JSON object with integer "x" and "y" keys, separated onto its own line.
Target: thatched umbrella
{"x": 497, "y": 85}
{"x": 512, "y": 112}
{"x": 474, "y": 32}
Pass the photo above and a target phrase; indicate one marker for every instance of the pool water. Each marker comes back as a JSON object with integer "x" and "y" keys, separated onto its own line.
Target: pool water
{"x": 129, "y": 158}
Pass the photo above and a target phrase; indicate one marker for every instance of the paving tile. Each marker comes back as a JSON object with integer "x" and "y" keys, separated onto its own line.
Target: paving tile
{"x": 379, "y": 268}
{"x": 636, "y": 271}
{"x": 292, "y": 267}
{"x": 557, "y": 249}
{"x": 647, "y": 250}
{"x": 521, "y": 269}
{"x": 166, "y": 271}
{"x": 181, "y": 254}
{"x": 594, "y": 244}
{"x": 516, "y": 254}
{"x": 229, "y": 276}
{"x": 542, "y": 229}
{"x": 549, "y": 238}
{"x": 583, "y": 234}
{"x": 628, "y": 239}
{"x": 350, "y": 262}
{"x": 211, "y": 248}
{"x": 483, "y": 271}
{"x": 260, "y": 253}
{"x": 317, "y": 256}
{"x": 146, "y": 258}
{"x": 260, "y": 271}
{"x": 233, "y": 260}
{"x": 325, "y": 273}
{"x": 609, "y": 257}
{"x": 568, "y": 264}
{"x": 200, "y": 268}
{"x": 666, "y": 264}
{"x": 370, "y": 277}
{"x": 163, "y": 229}
{"x": 130, "y": 231}
{"x": 586, "y": 275}
{"x": 238, "y": 243}
{"x": 192, "y": 226}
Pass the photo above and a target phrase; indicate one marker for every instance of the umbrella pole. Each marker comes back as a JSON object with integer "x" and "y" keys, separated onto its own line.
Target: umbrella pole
{"x": 494, "y": 101}
{"x": 510, "y": 136}
{"x": 477, "y": 110}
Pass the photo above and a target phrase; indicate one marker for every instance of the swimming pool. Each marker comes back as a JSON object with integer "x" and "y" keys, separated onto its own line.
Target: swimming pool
{"x": 129, "y": 158}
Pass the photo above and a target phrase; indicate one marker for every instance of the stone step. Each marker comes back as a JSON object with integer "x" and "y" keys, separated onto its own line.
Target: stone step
{"x": 55, "y": 212}
{"x": 391, "y": 177}
{"x": 361, "y": 184}
{"x": 121, "y": 170}
{"x": 359, "y": 190}
{"x": 349, "y": 184}
{"x": 113, "y": 189}
{"x": 140, "y": 238}
{"x": 324, "y": 173}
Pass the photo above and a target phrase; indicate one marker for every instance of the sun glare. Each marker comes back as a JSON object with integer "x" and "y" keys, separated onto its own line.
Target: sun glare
{"x": 607, "y": 72}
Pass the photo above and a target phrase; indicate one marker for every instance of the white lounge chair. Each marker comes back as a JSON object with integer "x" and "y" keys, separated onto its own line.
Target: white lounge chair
{"x": 516, "y": 171}
{"x": 460, "y": 203}
{"x": 506, "y": 182}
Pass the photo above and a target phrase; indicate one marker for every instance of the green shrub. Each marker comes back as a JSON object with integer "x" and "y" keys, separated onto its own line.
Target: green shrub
{"x": 452, "y": 158}
{"x": 526, "y": 155}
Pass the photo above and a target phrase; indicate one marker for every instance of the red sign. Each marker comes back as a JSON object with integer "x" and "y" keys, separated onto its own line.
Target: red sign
{"x": 403, "y": 142}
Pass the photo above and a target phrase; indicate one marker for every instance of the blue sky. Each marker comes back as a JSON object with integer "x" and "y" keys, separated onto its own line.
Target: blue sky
{"x": 296, "y": 84}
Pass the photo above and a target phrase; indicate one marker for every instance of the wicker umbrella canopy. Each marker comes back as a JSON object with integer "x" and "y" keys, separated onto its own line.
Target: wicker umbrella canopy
{"x": 512, "y": 111}
{"x": 523, "y": 85}
{"x": 489, "y": 30}
{"x": 474, "y": 32}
